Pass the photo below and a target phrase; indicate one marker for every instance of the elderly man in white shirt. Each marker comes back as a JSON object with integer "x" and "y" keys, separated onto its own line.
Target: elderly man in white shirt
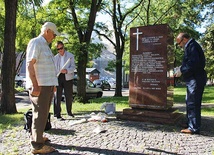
{"x": 41, "y": 79}
{"x": 65, "y": 66}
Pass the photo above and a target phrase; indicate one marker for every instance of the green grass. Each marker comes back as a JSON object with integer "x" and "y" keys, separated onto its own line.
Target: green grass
{"x": 13, "y": 120}
{"x": 207, "y": 111}
{"x": 180, "y": 92}
{"x": 10, "y": 121}
{"x": 94, "y": 105}
{"x": 20, "y": 89}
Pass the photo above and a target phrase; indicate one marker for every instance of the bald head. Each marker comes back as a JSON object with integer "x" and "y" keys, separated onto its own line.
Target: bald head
{"x": 182, "y": 39}
{"x": 183, "y": 35}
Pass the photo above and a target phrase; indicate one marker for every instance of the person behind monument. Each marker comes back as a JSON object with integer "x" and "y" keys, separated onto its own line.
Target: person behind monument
{"x": 65, "y": 66}
{"x": 41, "y": 79}
{"x": 195, "y": 76}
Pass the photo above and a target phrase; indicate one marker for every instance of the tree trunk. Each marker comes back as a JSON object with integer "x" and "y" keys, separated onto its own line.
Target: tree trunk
{"x": 81, "y": 70}
{"x": 9, "y": 59}
{"x": 118, "y": 90}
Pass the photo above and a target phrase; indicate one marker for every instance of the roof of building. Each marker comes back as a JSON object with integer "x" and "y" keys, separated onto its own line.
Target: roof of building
{"x": 92, "y": 70}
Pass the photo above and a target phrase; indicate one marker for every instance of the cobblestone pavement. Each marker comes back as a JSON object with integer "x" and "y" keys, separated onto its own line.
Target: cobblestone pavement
{"x": 117, "y": 137}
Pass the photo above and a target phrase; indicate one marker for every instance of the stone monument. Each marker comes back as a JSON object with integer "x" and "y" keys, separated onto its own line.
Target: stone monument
{"x": 151, "y": 78}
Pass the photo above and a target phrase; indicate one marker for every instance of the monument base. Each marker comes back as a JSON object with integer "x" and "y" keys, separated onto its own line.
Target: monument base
{"x": 169, "y": 116}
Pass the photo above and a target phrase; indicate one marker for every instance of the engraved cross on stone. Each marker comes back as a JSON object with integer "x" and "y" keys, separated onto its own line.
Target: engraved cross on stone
{"x": 137, "y": 33}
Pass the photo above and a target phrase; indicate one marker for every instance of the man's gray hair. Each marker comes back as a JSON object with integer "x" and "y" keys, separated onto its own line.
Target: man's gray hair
{"x": 43, "y": 29}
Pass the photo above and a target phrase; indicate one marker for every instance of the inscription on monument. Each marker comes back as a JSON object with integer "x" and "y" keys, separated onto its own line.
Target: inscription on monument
{"x": 155, "y": 40}
{"x": 147, "y": 63}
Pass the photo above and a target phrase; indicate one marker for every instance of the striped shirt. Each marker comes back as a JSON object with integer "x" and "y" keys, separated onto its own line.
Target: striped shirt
{"x": 44, "y": 67}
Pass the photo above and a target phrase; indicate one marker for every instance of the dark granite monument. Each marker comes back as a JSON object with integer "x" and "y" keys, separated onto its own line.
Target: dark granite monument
{"x": 151, "y": 75}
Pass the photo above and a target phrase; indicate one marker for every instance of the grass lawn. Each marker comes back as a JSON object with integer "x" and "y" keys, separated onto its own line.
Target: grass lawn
{"x": 207, "y": 101}
{"x": 180, "y": 92}
{"x": 9, "y": 121}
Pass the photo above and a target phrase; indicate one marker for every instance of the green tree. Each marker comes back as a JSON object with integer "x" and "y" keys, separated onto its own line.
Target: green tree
{"x": 208, "y": 45}
{"x": 207, "y": 39}
{"x": 111, "y": 66}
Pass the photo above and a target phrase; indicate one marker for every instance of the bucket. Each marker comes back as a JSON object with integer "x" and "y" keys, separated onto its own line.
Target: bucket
{"x": 109, "y": 107}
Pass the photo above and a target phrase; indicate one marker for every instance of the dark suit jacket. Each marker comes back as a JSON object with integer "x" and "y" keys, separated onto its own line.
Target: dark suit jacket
{"x": 193, "y": 63}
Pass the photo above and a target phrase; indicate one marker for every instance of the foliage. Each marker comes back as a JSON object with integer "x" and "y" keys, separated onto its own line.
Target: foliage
{"x": 65, "y": 23}
{"x": 208, "y": 45}
{"x": 66, "y": 26}
{"x": 26, "y": 26}
{"x": 28, "y": 23}
{"x": 111, "y": 66}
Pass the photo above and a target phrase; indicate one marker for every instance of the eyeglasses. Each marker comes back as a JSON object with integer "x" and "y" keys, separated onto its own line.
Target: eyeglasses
{"x": 60, "y": 48}
{"x": 180, "y": 41}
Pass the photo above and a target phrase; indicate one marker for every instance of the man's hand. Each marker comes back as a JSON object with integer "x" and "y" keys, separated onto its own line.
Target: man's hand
{"x": 177, "y": 71}
{"x": 35, "y": 91}
{"x": 64, "y": 71}
{"x": 54, "y": 89}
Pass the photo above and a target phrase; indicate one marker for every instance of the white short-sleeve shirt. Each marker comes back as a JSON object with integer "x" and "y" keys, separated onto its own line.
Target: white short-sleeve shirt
{"x": 44, "y": 67}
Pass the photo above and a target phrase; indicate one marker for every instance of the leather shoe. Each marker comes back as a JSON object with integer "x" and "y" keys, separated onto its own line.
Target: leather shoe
{"x": 45, "y": 139}
{"x": 187, "y": 131}
{"x": 60, "y": 118}
{"x": 45, "y": 149}
{"x": 71, "y": 115}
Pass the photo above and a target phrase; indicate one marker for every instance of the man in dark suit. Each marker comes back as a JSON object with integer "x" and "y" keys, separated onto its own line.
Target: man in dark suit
{"x": 193, "y": 72}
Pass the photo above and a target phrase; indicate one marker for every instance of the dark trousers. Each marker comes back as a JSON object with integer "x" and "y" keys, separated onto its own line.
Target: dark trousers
{"x": 193, "y": 104}
{"x": 67, "y": 86}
